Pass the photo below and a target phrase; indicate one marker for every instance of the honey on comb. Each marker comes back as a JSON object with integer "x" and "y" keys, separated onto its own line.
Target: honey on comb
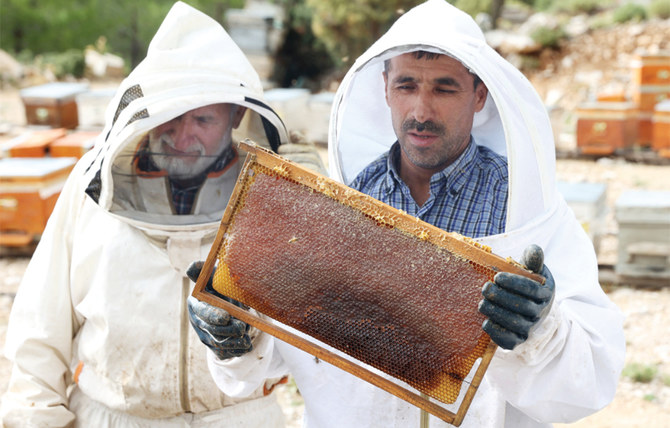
{"x": 350, "y": 278}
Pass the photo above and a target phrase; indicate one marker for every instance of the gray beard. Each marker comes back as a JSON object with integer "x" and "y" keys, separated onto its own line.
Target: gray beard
{"x": 176, "y": 166}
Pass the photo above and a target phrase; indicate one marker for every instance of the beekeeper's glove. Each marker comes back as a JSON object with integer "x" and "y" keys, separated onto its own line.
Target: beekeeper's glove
{"x": 226, "y": 336}
{"x": 515, "y": 304}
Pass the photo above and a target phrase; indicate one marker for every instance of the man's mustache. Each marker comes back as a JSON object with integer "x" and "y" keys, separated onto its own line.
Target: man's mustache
{"x": 430, "y": 126}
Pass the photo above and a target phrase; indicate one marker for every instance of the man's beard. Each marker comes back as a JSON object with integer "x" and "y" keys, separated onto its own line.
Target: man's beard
{"x": 184, "y": 166}
{"x": 428, "y": 157}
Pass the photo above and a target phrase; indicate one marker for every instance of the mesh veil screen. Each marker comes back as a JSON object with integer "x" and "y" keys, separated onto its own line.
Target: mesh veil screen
{"x": 369, "y": 280}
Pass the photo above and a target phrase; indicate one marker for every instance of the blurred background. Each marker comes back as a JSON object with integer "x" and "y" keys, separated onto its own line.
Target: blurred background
{"x": 602, "y": 68}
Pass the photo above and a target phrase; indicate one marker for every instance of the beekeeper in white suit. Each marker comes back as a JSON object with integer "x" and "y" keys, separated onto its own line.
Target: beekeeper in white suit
{"x": 433, "y": 121}
{"x": 99, "y": 333}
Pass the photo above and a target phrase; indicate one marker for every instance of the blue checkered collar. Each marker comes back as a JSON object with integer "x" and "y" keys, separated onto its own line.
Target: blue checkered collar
{"x": 454, "y": 176}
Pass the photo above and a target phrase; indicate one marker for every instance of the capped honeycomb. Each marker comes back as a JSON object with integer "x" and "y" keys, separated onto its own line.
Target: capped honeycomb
{"x": 383, "y": 287}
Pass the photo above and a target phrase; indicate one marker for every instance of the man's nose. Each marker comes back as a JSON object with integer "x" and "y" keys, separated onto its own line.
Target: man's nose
{"x": 422, "y": 109}
{"x": 184, "y": 132}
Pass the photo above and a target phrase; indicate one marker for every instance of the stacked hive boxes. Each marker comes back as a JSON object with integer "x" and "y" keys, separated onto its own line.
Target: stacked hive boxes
{"x": 33, "y": 170}
{"x": 612, "y": 125}
{"x": 651, "y": 86}
{"x": 35, "y": 164}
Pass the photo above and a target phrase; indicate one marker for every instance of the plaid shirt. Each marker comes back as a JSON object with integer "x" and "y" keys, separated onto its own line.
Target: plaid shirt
{"x": 467, "y": 197}
{"x": 183, "y": 197}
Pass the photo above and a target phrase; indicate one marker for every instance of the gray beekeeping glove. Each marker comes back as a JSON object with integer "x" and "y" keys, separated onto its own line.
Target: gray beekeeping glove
{"x": 515, "y": 304}
{"x": 225, "y": 335}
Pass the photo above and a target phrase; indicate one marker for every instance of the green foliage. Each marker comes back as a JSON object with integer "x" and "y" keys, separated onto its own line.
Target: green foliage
{"x": 68, "y": 63}
{"x": 629, "y": 12}
{"x": 473, "y": 7}
{"x": 529, "y": 62}
{"x": 302, "y": 59}
{"x": 348, "y": 28}
{"x": 579, "y": 6}
{"x": 43, "y": 26}
{"x": 639, "y": 372}
{"x": 660, "y": 9}
{"x": 603, "y": 20}
{"x": 548, "y": 37}
{"x": 528, "y": 3}
{"x": 543, "y": 5}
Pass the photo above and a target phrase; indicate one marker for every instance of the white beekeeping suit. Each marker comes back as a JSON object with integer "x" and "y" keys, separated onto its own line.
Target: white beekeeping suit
{"x": 569, "y": 366}
{"x": 99, "y": 333}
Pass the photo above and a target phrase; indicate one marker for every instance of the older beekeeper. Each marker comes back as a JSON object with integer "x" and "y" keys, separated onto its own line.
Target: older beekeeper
{"x": 433, "y": 121}
{"x": 99, "y": 333}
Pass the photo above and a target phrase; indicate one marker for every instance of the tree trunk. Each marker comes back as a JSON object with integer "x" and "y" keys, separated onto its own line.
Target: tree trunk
{"x": 496, "y": 11}
{"x": 136, "y": 54}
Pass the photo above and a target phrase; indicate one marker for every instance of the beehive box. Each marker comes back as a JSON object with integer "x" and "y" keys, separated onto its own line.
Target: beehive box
{"x": 91, "y": 107}
{"x": 74, "y": 144}
{"x": 29, "y": 188}
{"x": 318, "y": 111}
{"x": 52, "y": 104}
{"x": 291, "y": 105}
{"x": 618, "y": 97}
{"x": 644, "y": 235}
{"x": 36, "y": 143}
{"x": 604, "y": 128}
{"x": 661, "y": 129}
{"x": 589, "y": 203}
{"x": 646, "y": 98}
{"x": 651, "y": 80}
{"x": 651, "y": 69}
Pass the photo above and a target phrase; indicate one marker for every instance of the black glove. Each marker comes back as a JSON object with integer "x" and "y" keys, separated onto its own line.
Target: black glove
{"x": 226, "y": 336}
{"x": 515, "y": 304}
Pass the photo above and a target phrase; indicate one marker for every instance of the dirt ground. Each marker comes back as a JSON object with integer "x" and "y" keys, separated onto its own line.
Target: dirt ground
{"x": 647, "y": 319}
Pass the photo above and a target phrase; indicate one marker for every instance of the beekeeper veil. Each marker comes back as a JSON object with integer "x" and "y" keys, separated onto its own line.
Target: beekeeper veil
{"x": 191, "y": 62}
{"x": 512, "y": 123}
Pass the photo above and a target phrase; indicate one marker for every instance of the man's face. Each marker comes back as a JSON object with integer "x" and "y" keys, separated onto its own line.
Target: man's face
{"x": 188, "y": 144}
{"x": 432, "y": 103}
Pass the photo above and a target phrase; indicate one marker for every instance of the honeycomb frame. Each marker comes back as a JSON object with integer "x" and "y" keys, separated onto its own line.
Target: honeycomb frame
{"x": 449, "y": 386}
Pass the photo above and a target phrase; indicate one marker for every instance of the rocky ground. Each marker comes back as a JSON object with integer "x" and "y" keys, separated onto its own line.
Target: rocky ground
{"x": 590, "y": 64}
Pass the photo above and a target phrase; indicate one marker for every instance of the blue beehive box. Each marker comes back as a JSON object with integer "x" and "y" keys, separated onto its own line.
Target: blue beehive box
{"x": 589, "y": 203}
{"x": 644, "y": 235}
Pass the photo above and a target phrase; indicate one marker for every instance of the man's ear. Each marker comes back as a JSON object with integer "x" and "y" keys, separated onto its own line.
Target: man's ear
{"x": 386, "y": 92}
{"x": 481, "y": 92}
{"x": 239, "y": 114}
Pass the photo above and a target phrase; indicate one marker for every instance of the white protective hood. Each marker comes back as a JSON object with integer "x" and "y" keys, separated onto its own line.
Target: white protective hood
{"x": 513, "y": 122}
{"x": 191, "y": 62}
